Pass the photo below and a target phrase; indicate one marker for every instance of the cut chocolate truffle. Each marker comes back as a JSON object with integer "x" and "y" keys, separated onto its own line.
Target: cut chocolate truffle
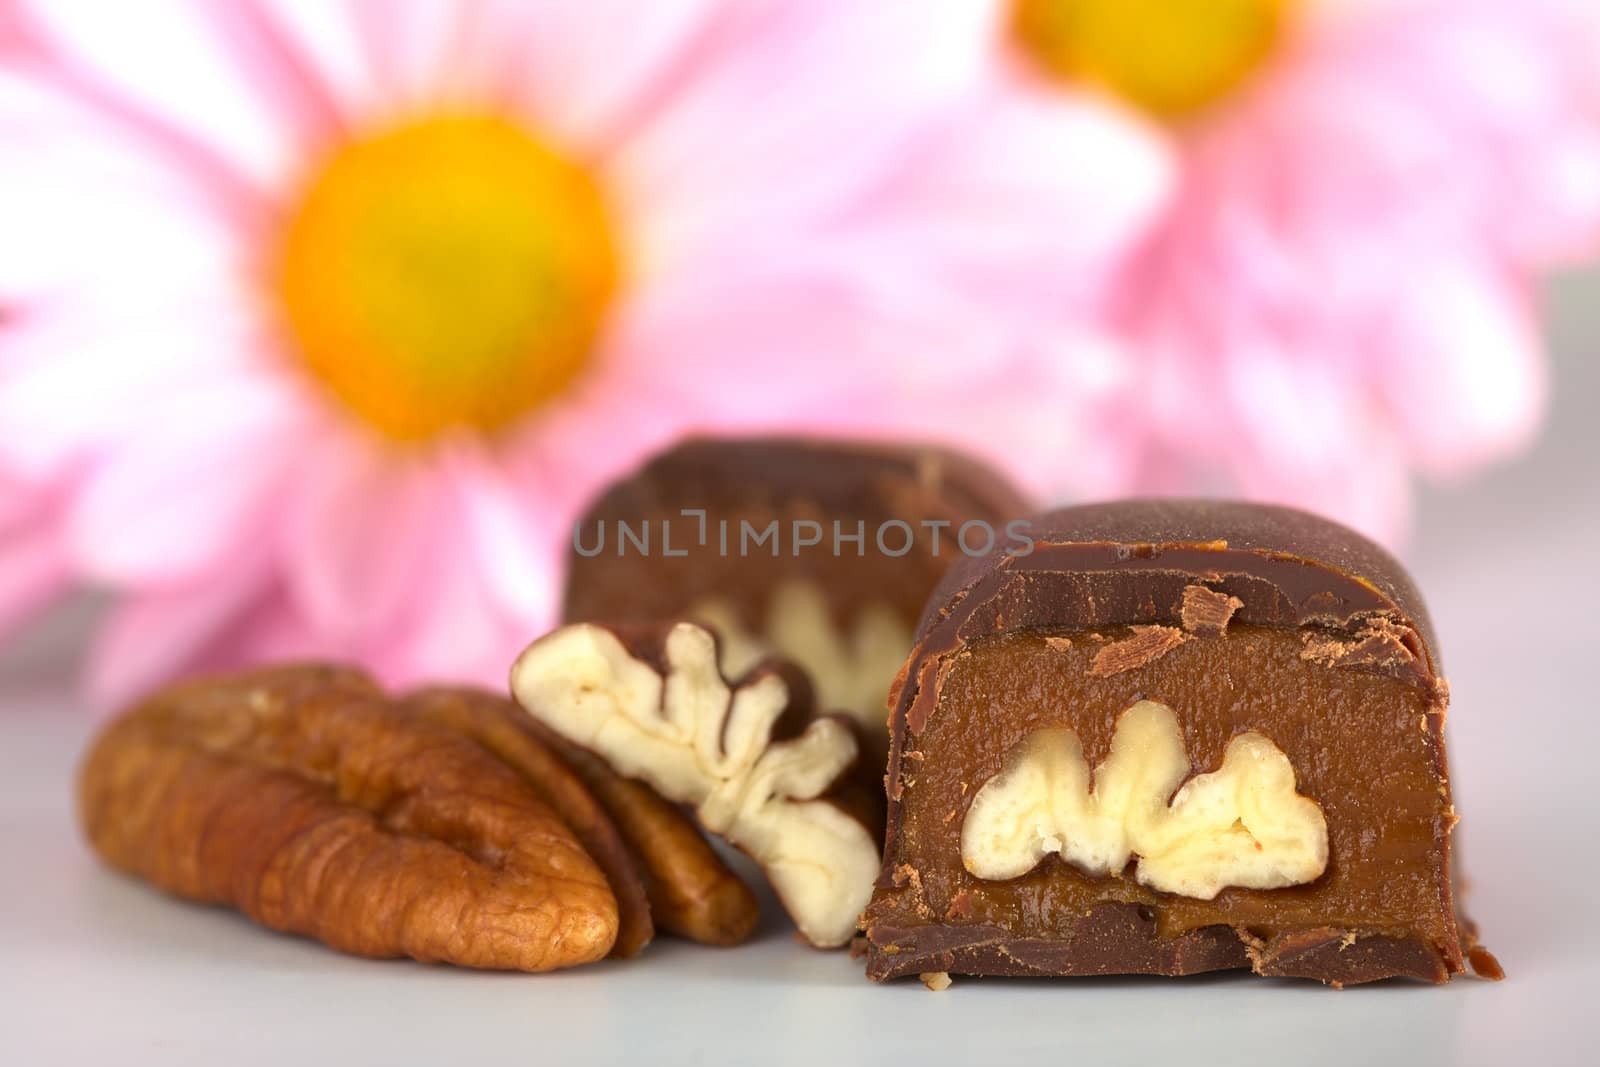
{"x": 820, "y": 552}
{"x": 1175, "y": 737}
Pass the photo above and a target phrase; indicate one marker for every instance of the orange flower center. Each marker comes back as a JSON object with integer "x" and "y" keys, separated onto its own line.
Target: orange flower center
{"x": 451, "y": 272}
{"x": 1170, "y": 58}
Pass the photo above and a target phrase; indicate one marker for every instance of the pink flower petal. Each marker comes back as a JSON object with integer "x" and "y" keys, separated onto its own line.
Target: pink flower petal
{"x": 197, "y": 484}
{"x": 450, "y": 627}
{"x": 404, "y": 44}
{"x": 360, "y": 531}
{"x": 458, "y": 639}
{"x": 678, "y": 361}
{"x": 323, "y": 40}
{"x": 159, "y": 76}
{"x": 1446, "y": 112}
{"x": 1314, "y": 323}
{"x": 1367, "y": 487}
{"x": 75, "y": 379}
{"x": 274, "y": 631}
{"x": 1079, "y": 443}
{"x": 84, "y": 203}
{"x": 1308, "y": 435}
{"x": 789, "y": 110}
{"x": 21, "y": 500}
{"x": 1020, "y": 152}
{"x": 265, "y": 628}
{"x": 33, "y": 559}
{"x": 589, "y": 73}
{"x": 1518, "y": 87}
{"x": 1044, "y": 394}
{"x": 575, "y": 72}
{"x": 269, "y": 50}
{"x": 520, "y": 551}
{"x": 151, "y": 638}
{"x": 1461, "y": 368}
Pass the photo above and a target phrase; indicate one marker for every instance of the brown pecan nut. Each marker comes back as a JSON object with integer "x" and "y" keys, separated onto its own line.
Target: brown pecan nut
{"x": 692, "y": 892}
{"x": 300, "y": 796}
{"x": 501, "y": 727}
{"x": 756, "y": 766}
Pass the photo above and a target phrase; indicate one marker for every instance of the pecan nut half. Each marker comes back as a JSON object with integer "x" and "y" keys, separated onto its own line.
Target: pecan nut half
{"x": 501, "y": 727}
{"x": 759, "y": 768}
{"x": 302, "y": 797}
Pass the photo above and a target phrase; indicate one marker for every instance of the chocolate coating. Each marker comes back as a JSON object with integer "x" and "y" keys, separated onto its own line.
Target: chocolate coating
{"x": 1241, "y": 618}
{"x": 865, "y": 598}
{"x": 760, "y": 479}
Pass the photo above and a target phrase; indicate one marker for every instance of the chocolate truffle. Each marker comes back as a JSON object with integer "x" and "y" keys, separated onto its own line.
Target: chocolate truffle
{"x": 1172, "y": 737}
{"x": 822, "y": 552}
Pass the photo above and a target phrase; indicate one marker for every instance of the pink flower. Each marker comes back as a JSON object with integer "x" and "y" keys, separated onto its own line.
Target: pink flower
{"x": 33, "y": 565}
{"x": 335, "y": 314}
{"x": 1339, "y": 293}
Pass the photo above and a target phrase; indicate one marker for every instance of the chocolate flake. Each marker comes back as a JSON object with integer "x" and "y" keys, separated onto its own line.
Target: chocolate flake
{"x": 1484, "y": 965}
{"x": 1382, "y": 644}
{"x": 1148, "y": 643}
{"x": 1207, "y": 611}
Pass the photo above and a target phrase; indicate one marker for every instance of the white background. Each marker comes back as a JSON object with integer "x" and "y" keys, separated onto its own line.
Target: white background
{"x": 96, "y": 968}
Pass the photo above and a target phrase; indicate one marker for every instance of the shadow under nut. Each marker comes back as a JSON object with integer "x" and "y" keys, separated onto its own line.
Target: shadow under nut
{"x": 302, "y": 798}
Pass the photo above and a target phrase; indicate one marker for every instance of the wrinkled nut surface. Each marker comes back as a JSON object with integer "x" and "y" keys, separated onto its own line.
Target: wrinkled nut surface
{"x": 692, "y": 892}
{"x": 498, "y": 725}
{"x": 1241, "y": 825}
{"x": 679, "y": 726}
{"x": 302, "y": 797}
{"x": 852, "y": 668}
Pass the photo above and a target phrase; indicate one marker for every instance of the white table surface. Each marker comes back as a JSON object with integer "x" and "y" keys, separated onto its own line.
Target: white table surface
{"x": 97, "y": 968}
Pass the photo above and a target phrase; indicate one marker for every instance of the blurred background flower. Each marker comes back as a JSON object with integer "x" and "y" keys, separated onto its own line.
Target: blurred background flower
{"x": 325, "y": 319}
{"x": 33, "y": 564}
{"x": 320, "y": 321}
{"x": 1338, "y": 296}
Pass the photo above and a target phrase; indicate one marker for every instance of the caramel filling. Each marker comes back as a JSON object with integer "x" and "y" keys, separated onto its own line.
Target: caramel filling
{"x": 1359, "y": 743}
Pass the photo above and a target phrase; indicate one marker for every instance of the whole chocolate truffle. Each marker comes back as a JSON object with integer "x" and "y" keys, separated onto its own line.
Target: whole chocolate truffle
{"x": 821, "y": 552}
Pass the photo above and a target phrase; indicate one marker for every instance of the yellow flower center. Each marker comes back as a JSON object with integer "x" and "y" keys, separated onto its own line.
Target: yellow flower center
{"x": 450, "y": 272}
{"x": 1168, "y": 57}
